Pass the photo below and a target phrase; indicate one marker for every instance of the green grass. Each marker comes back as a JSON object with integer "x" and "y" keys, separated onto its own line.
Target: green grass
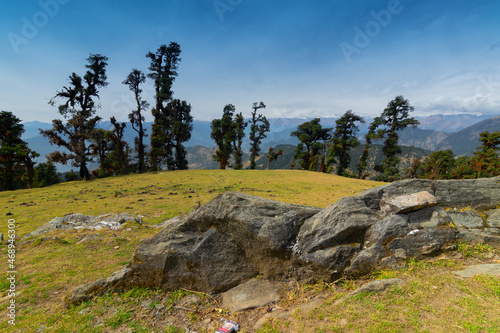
{"x": 431, "y": 300}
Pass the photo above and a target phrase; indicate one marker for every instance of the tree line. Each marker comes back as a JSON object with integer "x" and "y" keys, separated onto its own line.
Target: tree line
{"x": 320, "y": 149}
{"x": 328, "y": 149}
{"x": 78, "y": 103}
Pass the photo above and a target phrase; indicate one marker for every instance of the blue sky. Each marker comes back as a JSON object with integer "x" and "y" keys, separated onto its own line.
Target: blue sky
{"x": 301, "y": 58}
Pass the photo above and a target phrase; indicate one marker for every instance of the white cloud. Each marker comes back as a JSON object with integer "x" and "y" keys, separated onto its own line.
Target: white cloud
{"x": 477, "y": 103}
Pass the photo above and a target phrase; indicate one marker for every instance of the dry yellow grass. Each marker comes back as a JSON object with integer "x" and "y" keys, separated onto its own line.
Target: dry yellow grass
{"x": 431, "y": 300}
{"x": 48, "y": 269}
{"x": 159, "y": 196}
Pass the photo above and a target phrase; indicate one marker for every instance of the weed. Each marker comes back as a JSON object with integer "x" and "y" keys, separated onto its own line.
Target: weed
{"x": 119, "y": 318}
{"x": 173, "y": 329}
{"x": 270, "y": 326}
{"x": 349, "y": 284}
{"x": 385, "y": 274}
{"x": 492, "y": 284}
{"x": 193, "y": 317}
{"x": 475, "y": 250}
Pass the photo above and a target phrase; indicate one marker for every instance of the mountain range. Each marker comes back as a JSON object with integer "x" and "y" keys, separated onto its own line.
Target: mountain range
{"x": 460, "y": 133}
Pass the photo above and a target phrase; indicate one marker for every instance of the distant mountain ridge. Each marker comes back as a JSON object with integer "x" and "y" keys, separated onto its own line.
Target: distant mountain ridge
{"x": 467, "y": 140}
{"x": 450, "y": 123}
{"x": 426, "y": 136}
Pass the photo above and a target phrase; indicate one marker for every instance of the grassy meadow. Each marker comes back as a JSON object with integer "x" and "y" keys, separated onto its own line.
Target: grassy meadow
{"x": 48, "y": 267}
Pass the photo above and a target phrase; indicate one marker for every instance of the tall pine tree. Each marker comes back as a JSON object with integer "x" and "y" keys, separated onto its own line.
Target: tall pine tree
{"x": 344, "y": 139}
{"x": 312, "y": 136}
{"x": 223, "y": 133}
{"x": 16, "y": 159}
{"x": 182, "y": 126}
{"x": 396, "y": 117}
{"x": 259, "y": 125}
{"x": 163, "y": 70}
{"x": 79, "y": 108}
{"x": 136, "y": 117}
{"x": 240, "y": 125}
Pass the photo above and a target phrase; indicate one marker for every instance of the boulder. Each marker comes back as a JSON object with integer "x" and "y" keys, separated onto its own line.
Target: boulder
{"x": 116, "y": 282}
{"x": 230, "y": 240}
{"x": 332, "y": 237}
{"x": 407, "y": 203}
{"x": 80, "y": 221}
{"x": 392, "y": 240}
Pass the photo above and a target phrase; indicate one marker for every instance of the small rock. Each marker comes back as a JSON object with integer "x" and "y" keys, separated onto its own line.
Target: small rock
{"x": 188, "y": 300}
{"x": 146, "y": 304}
{"x": 116, "y": 247}
{"x": 252, "y": 294}
{"x": 89, "y": 238}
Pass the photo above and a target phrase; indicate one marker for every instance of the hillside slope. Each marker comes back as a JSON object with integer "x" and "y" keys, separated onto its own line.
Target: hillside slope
{"x": 466, "y": 141}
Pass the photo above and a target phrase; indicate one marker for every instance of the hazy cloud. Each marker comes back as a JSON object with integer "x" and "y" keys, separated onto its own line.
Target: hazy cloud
{"x": 494, "y": 47}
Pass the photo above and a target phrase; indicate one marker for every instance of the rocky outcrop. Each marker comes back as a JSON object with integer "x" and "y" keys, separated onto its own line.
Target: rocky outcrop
{"x": 236, "y": 237}
{"x": 481, "y": 193}
{"x": 80, "y": 221}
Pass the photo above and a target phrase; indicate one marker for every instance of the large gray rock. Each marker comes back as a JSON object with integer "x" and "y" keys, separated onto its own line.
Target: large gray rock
{"x": 80, "y": 221}
{"x": 116, "y": 282}
{"x": 395, "y": 238}
{"x": 216, "y": 247}
{"x": 332, "y": 237}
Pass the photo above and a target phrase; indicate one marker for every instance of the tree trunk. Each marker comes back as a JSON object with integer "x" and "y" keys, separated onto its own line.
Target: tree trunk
{"x": 84, "y": 172}
{"x": 141, "y": 148}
